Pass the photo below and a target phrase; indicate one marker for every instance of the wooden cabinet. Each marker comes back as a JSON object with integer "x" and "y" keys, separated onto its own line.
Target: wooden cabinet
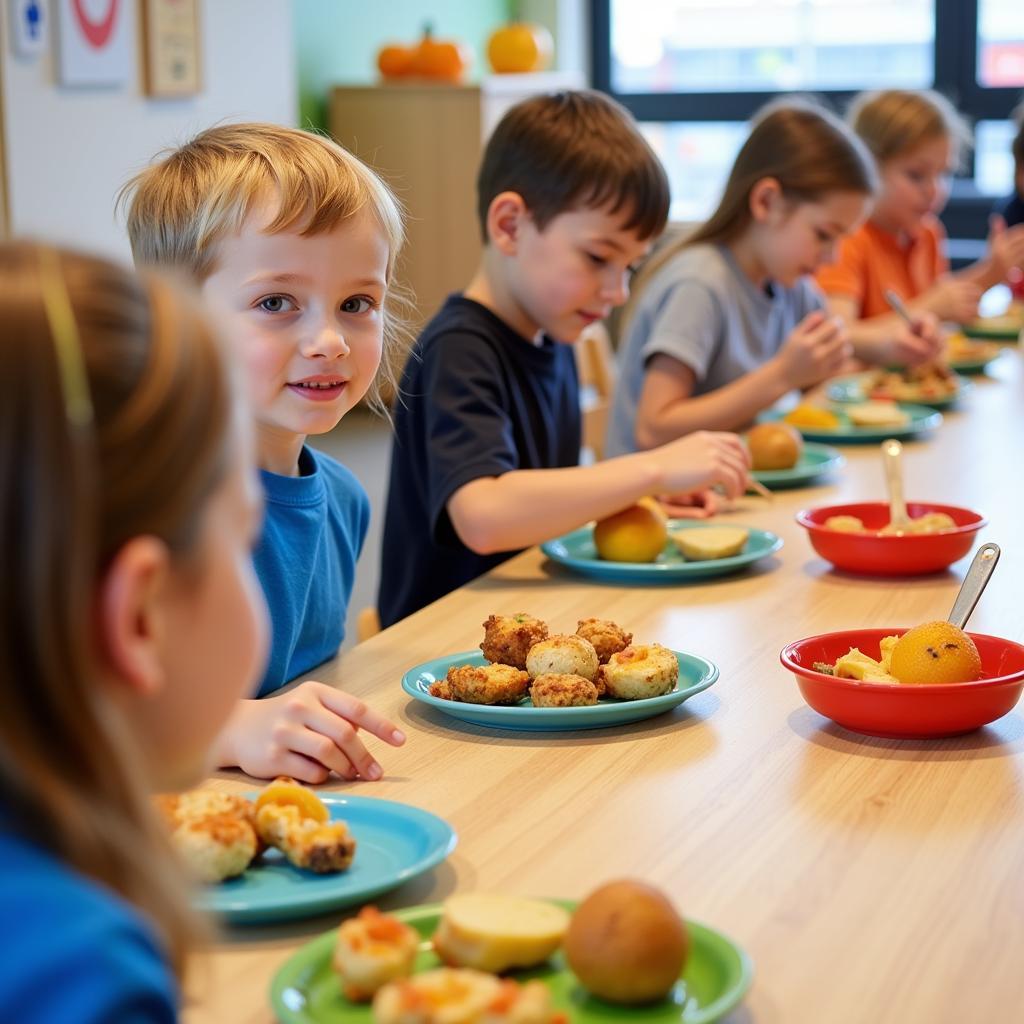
{"x": 426, "y": 139}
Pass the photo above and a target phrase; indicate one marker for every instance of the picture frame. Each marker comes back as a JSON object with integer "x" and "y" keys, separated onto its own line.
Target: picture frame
{"x": 172, "y": 56}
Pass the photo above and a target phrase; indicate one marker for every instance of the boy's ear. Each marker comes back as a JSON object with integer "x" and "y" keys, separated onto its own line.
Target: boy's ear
{"x": 765, "y": 199}
{"x": 505, "y": 218}
{"x": 131, "y": 620}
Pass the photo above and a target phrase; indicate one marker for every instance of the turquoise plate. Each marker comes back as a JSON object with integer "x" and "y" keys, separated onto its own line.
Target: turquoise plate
{"x": 815, "y": 460}
{"x": 921, "y": 420}
{"x": 395, "y": 842}
{"x": 851, "y": 389}
{"x": 695, "y": 674}
{"x": 717, "y": 976}
{"x": 576, "y": 551}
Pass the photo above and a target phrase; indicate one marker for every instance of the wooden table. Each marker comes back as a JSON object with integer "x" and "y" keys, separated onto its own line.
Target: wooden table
{"x": 869, "y": 879}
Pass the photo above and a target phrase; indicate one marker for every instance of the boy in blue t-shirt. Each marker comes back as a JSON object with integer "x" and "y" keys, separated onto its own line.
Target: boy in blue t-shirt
{"x": 487, "y": 435}
{"x": 293, "y": 242}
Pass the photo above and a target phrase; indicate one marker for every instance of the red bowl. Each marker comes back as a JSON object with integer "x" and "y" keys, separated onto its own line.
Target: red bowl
{"x": 910, "y": 555}
{"x": 901, "y": 711}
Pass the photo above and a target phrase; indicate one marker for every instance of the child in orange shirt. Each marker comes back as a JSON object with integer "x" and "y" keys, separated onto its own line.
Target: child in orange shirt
{"x": 916, "y": 137}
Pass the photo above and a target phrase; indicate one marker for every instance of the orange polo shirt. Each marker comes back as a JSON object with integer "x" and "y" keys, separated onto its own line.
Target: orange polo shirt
{"x": 871, "y": 260}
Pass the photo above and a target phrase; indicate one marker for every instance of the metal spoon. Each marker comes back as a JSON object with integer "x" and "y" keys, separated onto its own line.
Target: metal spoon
{"x": 892, "y": 461}
{"x": 974, "y": 584}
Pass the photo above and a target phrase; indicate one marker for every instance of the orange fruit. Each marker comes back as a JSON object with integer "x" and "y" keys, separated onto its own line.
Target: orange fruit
{"x": 636, "y": 534}
{"x": 811, "y": 416}
{"x": 774, "y": 446}
{"x": 284, "y": 791}
{"x": 935, "y": 652}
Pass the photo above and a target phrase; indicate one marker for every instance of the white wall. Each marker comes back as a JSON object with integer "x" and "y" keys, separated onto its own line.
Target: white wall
{"x": 68, "y": 151}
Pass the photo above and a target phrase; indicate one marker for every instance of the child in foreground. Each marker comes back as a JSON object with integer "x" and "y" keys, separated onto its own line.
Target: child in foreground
{"x": 726, "y": 321}
{"x": 125, "y": 560}
{"x": 916, "y": 139}
{"x": 293, "y": 242}
{"x": 487, "y": 436}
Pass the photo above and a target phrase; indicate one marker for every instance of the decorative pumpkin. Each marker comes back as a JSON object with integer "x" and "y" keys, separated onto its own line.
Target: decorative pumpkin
{"x": 442, "y": 59}
{"x": 395, "y": 61}
{"x": 519, "y": 48}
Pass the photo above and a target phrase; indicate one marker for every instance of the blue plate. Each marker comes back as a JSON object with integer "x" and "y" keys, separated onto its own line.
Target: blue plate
{"x": 920, "y": 420}
{"x": 576, "y": 551}
{"x": 853, "y": 389}
{"x": 717, "y": 975}
{"x": 815, "y": 460}
{"x": 394, "y": 842}
{"x": 695, "y": 674}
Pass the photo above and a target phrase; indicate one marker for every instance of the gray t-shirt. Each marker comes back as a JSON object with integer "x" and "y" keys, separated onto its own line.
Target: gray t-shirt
{"x": 701, "y": 309}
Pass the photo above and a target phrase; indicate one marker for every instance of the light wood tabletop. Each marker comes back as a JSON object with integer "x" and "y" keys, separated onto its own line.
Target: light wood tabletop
{"x": 869, "y": 879}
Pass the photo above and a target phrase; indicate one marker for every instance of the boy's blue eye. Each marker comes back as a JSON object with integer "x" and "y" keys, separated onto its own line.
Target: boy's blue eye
{"x": 358, "y": 304}
{"x": 276, "y": 304}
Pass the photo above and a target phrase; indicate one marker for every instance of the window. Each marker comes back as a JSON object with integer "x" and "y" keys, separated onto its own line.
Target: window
{"x": 694, "y": 71}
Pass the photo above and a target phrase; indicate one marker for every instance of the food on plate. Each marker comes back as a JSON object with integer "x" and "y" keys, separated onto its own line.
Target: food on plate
{"x": 508, "y": 638}
{"x": 561, "y": 690}
{"x": 563, "y": 654}
{"x": 1007, "y": 322}
{"x": 813, "y": 417}
{"x": 372, "y": 950}
{"x": 911, "y": 384}
{"x": 876, "y": 414}
{"x": 494, "y": 932}
{"x": 459, "y": 996}
{"x": 321, "y": 847}
{"x": 606, "y": 636}
{"x": 930, "y": 522}
{"x": 960, "y": 348}
{"x": 935, "y": 652}
{"x": 857, "y": 665}
{"x": 640, "y": 671}
{"x": 703, "y": 543}
{"x": 286, "y": 791}
{"x": 482, "y": 684}
{"x": 627, "y": 944}
{"x": 774, "y": 446}
{"x": 636, "y": 534}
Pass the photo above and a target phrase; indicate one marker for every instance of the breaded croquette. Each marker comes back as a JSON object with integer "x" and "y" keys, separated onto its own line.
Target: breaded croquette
{"x": 372, "y": 950}
{"x": 214, "y": 833}
{"x": 563, "y": 654}
{"x": 607, "y": 637}
{"x": 323, "y": 848}
{"x": 562, "y": 691}
{"x": 643, "y": 670}
{"x": 482, "y": 684}
{"x": 508, "y": 638}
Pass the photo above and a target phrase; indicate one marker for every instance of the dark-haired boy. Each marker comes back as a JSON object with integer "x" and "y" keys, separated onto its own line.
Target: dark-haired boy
{"x": 487, "y": 435}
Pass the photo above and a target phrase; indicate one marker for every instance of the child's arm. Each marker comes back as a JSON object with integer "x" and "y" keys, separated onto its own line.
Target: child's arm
{"x": 887, "y": 340}
{"x": 306, "y": 733}
{"x": 528, "y": 506}
{"x": 814, "y": 350}
{"x": 1005, "y": 252}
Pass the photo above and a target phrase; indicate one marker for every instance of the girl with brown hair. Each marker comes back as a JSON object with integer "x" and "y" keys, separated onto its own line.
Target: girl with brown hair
{"x": 130, "y": 504}
{"x": 725, "y": 321}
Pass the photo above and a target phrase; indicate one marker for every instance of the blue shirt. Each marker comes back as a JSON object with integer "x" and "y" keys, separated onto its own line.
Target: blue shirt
{"x": 74, "y": 951}
{"x": 477, "y": 400}
{"x": 313, "y": 530}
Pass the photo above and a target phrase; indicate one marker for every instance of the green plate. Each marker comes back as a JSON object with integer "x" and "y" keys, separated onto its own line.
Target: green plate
{"x": 995, "y": 328}
{"x": 576, "y": 551}
{"x": 921, "y": 420}
{"x": 718, "y": 974}
{"x": 695, "y": 674}
{"x": 852, "y": 389}
{"x": 815, "y": 460}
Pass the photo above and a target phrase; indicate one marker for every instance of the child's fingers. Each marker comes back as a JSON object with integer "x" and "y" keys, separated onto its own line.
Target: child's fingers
{"x": 300, "y": 768}
{"x": 334, "y": 741}
{"x": 361, "y": 715}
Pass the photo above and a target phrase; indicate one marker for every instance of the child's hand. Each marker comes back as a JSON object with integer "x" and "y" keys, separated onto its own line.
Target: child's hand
{"x": 701, "y": 460}
{"x": 953, "y": 298}
{"x": 1005, "y": 248}
{"x": 815, "y": 349}
{"x": 306, "y": 733}
{"x": 910, "y": 345}
{"x": 698, "y": 505}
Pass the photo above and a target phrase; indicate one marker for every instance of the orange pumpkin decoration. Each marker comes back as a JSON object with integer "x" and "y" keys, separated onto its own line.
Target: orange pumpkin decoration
{"x": 395, "y": 61}
{"x": 519, "y": 48}
{"x": 442, "y": 59}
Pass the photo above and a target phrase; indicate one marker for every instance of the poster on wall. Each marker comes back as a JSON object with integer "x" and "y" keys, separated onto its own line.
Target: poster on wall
{"x": 28, "y": 27}
{"x": 94, "y": 46}
{"x": 170, "y": 30}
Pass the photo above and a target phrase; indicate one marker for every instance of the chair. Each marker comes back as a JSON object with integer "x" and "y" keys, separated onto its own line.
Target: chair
{"x": 367, "y": 623}
{"x": 595, "y": 363}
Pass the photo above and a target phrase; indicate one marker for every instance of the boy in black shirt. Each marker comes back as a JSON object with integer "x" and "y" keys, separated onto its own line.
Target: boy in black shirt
{"x": 487, "y": 432}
